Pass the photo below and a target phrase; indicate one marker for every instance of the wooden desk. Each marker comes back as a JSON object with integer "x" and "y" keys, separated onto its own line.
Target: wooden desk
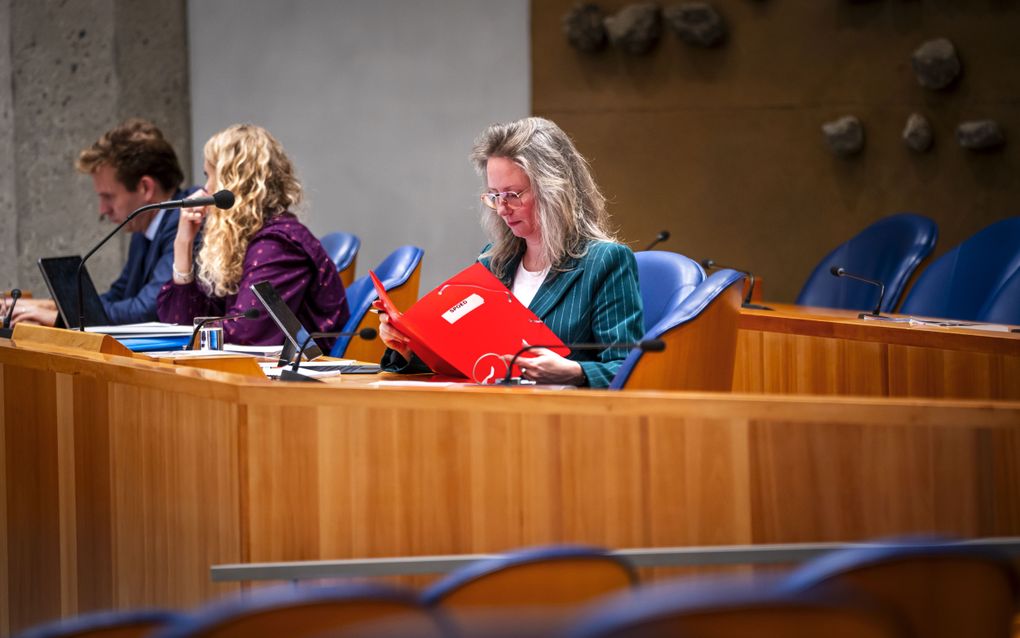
{"x": 124, "y": 480}
{"x": 798, "y": 350}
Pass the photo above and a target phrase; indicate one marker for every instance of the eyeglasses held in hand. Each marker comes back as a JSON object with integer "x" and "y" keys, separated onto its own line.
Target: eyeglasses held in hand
{"x": 510, "y": 198}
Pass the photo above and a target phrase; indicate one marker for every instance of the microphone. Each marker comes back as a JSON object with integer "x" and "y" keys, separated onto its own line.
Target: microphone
{"x": 661, "y": 237}
{"x": 251, "y": 313}
{"x": 710, "y": 264}
{"x": 839, "y": 271}
{"x": 15, "y": 295}
{"x": 293, "y": 375}
{"x": 645, "y": 345}
{"x": 222, "y": 199}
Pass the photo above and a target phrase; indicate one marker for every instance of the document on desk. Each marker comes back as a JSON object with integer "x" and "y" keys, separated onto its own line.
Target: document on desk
{"x": 147, "y": 329}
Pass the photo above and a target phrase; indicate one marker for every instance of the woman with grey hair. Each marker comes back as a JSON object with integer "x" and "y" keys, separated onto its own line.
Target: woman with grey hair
{"x": 552, "y": 247}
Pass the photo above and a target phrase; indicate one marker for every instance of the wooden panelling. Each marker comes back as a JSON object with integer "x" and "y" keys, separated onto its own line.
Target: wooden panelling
{"x": 815, "y": 351}
{"x": 124, "y": 481}
{"x": 723, "y": 146}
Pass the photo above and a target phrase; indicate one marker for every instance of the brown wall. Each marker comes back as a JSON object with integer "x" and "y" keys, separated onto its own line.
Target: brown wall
{"x": 723, "y": 147}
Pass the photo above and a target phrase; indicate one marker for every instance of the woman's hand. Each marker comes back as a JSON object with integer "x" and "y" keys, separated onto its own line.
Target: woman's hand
{"x": 35, "y": 311}
{"x": 393, "y": 338}
{"x": 548, "y": 367}
{"x": 187, "y": 227}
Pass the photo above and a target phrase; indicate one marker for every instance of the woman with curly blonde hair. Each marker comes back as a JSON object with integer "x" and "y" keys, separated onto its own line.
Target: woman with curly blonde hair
{"x": 258, "y": 239}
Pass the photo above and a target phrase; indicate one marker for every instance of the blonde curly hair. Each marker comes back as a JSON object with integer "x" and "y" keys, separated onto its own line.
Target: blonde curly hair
{"x": 251, "y": 163}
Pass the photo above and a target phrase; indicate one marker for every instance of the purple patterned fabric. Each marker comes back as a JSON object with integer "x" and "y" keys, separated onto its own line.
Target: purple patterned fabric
{"x": 286, "y": 254}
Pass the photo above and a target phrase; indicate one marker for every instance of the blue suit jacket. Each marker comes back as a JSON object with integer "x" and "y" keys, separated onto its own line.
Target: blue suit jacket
{"x": 132, "y": 298}
{"x": 595, "y": 300}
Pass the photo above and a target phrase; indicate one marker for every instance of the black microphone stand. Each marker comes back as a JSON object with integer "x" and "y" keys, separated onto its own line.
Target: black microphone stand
{"x": 6, "y": 331}
{"x": 293, "y": 375}
{"x": 661, "y": 237}
{"x": 838, "y": 271}
{"x": 709, "y": 264}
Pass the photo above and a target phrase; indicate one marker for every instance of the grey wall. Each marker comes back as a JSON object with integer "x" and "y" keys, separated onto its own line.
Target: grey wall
{"x": 376, "y": 101}
{"x": 68, "y": 72}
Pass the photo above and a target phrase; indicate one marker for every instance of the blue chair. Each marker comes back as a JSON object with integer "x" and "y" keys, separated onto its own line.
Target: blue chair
{"x": 961, "y": 282}
{"x": 342, "y": 248}
{"x": 665, "y": 278}
{"x": 535, "y": 589}
{"x": 940, "y": 589}
{"x": 399, "y": 274}
{"x": 890, "y": 250}
{"x": 351, "y": 609}
{"x": 102, "y": 624}
{"x": 701, "y": 341}
{"x": 1004, "y": 306}
{"x": 722, "y": 607}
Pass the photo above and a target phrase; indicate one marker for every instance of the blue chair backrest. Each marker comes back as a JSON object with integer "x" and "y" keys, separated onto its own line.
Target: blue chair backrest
{"x": 890, "y": 250}
{"x": 941, "y": 588}
{"x": 666, "y": 278}
{"x": 142, "y": 621}
{"x": 394, "y": 271}
{"x": 551, "y": 555}
{"x": 958, "y": 284}
{"x": 725, "y": 605}
{"x": 687, "y": 310}
{"x": 342, "y": 248}
{"x": 1004, "y": 306}
{"x": 309, "y": 611}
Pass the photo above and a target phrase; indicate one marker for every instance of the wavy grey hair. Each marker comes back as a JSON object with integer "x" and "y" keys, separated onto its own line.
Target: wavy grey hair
{"x": 570, "y": 209}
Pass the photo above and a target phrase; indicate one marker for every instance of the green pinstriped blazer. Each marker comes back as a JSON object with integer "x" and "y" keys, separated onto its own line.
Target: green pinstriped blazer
{"x": 594, "y": 299}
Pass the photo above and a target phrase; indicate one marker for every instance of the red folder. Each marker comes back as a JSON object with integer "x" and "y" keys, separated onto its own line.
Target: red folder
{"x": 464, "y": 326}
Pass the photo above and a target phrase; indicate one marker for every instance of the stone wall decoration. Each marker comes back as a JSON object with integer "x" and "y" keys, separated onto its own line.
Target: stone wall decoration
{"x": 845, "y": 136}
{"x": 636, "y": 28}
{"x": 918, "y": 134}
{"x": 980, "y": 135}
{"x": 936, "y": 64}
{"x": 696, "y": 23}
{"x": 584, "y": 28}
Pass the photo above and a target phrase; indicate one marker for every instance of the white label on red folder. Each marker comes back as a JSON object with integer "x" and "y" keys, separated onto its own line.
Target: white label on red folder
{"x": 463, "y": 307}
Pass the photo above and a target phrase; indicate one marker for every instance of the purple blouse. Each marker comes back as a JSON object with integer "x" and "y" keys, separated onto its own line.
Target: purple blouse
{"x": 286, "y": 254}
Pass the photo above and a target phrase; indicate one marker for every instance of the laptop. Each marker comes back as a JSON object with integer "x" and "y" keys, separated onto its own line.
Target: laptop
{"x": 61, "y": 277}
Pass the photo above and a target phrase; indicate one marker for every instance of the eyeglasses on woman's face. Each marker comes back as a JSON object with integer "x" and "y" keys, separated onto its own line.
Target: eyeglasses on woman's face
{"x": 510, "y": 198}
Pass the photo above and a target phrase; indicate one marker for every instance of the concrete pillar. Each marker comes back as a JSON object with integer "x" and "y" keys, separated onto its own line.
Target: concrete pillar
{"x": 73, "y": 70}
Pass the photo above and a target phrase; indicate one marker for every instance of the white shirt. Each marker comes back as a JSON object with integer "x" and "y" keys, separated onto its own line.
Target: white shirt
{"x": 150, "y": 232}
{"x": 527, "y": 283}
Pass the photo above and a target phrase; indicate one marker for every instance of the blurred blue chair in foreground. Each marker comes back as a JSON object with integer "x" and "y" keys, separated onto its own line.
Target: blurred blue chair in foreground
{"x": 940, "y": 589}
{"x": 1004, "y": 306}
{"x": 105, "y": 624}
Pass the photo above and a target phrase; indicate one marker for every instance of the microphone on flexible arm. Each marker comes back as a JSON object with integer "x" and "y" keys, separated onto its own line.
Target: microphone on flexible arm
{"x": 252, "y": 313}
{"x": 645, "y": 345}
{"x": 15, "y": 295}
{"x": 710, "y": 264}
{"x": 293, "y": 375}
{"x": 222, "y": 199}
{"x": 661, "y": 237}
{"x": 839, "y": 271}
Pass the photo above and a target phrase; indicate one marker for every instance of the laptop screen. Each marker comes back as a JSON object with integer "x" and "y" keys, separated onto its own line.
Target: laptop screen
{"x": 61, "y": 275}
{"x": 287, "y": 321}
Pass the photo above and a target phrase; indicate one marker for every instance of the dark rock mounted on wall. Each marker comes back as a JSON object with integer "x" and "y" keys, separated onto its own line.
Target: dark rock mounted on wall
{"x": 584, "y": 28}
{"x": 918, "y": 134}
{"x": 636, "y": 28}
{"x": 844, "y": 136}
{"x": 696, "y": 23}
{"x": 936, "y": 64}
{"x": 980, "y": 135}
